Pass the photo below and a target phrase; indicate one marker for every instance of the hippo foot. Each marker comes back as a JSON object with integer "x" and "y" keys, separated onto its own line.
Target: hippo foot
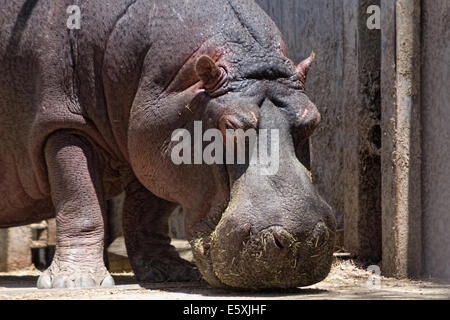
{"x": 62, "y": 275}
{"x": 168, "y": 268}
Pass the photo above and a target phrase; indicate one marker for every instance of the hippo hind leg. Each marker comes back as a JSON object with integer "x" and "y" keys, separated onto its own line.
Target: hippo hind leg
{"x": 76, "y": 191}
{"x": 145, "y": 224}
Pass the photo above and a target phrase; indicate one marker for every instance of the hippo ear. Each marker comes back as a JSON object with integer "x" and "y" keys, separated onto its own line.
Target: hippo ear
{"x": 304, "y": 66}
{"x": 208, "y": 72}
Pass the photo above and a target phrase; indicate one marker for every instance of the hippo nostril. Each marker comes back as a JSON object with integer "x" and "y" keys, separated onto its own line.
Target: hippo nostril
{"x": 278, "y": 241}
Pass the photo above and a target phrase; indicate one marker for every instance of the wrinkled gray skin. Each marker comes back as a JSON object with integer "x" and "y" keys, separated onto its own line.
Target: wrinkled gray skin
{"x": 86, "y": 114}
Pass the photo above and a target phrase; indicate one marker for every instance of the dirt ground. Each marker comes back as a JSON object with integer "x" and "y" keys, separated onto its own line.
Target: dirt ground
{"x": 346, "y": 281}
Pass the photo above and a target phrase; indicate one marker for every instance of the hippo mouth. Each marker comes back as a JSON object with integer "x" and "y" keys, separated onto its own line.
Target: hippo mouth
{"x": 264, "y": 262}
{"x": 273, "y": 258}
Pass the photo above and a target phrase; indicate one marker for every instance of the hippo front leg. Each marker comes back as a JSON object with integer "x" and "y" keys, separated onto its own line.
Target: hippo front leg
{"x": 145, "y": 225}
{"x": 76, "y": 191}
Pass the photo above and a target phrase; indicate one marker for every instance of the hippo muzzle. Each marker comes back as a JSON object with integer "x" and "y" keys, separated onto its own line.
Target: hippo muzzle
{"x": 276, "y": 232}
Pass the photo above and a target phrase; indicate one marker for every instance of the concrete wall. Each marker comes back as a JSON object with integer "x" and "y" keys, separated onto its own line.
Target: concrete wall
{"x": 436, "y": 136}
{"x": 15, "y": 252}
{"x": 401, "y": 151}
{"x": 416, "y": 134}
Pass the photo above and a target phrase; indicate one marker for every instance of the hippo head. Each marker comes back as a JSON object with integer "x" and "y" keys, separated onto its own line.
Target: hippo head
{"x": 275, "y": 231}
{"x": 247, "y": 229}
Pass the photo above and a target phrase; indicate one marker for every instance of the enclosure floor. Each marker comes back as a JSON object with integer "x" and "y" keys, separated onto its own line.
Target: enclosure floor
{"x": 346, "y": 281}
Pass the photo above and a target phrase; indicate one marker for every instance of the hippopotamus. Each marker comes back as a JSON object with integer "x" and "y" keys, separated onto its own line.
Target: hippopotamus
{"x": 88, "y": 113}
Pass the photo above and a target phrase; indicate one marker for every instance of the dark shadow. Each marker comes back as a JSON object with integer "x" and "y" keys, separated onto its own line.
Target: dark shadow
{"x": 17, "y": 282}
{"x": 124, "y": 279}
{"x": 204, "y": 289}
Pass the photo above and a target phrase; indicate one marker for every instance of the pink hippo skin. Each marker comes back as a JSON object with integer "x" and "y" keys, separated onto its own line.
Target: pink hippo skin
{"x": 86, "y": 114}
